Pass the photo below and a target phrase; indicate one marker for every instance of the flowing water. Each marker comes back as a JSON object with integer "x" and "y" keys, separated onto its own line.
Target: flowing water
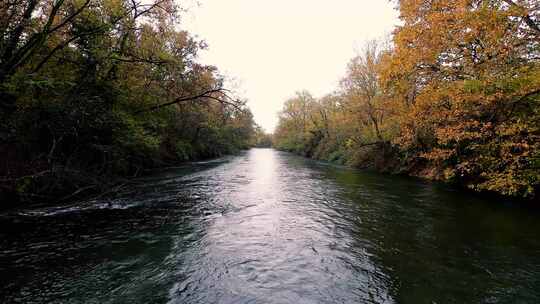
{"x": 270, "y": 227}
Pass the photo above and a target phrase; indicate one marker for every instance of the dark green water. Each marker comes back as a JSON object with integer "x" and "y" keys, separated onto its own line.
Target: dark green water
{"x": 270, "y": 227}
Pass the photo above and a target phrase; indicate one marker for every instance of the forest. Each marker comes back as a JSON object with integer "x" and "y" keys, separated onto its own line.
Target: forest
{"x": 453, "y": 96}
{"x": 132, "y": 169}
{"x": 93, "y": 92}
{"x": 96, "y": 92}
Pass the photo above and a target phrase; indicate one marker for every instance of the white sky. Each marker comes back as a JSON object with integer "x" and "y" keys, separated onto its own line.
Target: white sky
{"x": 274, "y": 48}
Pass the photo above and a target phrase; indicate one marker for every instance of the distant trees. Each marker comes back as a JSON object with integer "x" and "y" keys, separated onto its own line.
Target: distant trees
{"x": 92, "y": 89}
{"x": 261, "y": 139}
{"x": 336, "y": 126}
{"x": 362, "y": 93}
{"x": 456, "y": 97}
{"x": 295, "y": 122}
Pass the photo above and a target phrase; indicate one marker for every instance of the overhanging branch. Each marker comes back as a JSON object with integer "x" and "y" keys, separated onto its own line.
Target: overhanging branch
{"x": 206, "y": 94}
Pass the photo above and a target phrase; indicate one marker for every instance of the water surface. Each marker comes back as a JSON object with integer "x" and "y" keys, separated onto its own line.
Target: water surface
{"x": 271, "y": 227}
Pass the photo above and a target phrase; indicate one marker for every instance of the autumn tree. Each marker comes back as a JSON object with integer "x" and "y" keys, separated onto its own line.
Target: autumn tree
{"x": 364, "y": 97}
{"x": 465, "y": 77}
{"x": 454, "y": 97}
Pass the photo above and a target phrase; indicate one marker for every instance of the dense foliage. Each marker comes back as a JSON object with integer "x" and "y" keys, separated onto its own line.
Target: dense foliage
{"x": 260, "y": 138}
{"x": 456, "y": 97}
{"x": 91, "y": 90}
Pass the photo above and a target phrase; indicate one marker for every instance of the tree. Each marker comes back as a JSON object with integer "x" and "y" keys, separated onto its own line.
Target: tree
{"x": 469, "y": 94}
{"x": 363, "y": 96}
{"x": 92, "y": 91}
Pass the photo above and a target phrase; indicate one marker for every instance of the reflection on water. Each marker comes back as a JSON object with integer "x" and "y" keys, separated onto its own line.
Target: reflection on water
{"x": 270, "y": 227}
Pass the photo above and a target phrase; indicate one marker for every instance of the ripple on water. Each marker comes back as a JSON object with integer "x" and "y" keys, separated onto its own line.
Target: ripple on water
{"x": 270, "y": 227}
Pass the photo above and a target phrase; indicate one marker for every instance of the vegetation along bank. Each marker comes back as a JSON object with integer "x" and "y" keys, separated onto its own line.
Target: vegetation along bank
{"x": 96, "y": 91}
{"x": 455, "y": 96}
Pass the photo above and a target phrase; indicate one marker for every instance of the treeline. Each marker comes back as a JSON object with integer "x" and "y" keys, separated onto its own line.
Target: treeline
{"x": 260, "y": 138}
{"x": 455, "y": 97}
{"x": 95, "y": 90}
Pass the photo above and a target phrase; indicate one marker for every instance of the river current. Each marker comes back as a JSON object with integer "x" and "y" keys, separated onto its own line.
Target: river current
{"x": 270, "y": 227}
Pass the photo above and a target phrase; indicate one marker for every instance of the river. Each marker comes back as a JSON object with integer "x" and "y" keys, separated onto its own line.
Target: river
{"x": 270, "y": 227}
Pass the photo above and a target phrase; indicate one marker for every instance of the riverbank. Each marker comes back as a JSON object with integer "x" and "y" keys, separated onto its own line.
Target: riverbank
{"x": 88, "y": 101}
{"x": 387, "y": 161}
{"x": 460, "y": 105}
{"x": 74, "y": 185}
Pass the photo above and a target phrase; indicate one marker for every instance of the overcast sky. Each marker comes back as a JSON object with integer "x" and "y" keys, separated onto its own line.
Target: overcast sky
{"x": 274, "y": 48}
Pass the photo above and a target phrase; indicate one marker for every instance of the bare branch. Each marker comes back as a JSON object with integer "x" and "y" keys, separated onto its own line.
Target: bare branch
{"x": 206, "y": 94}
{"x": 68, "y": 19}
{"x": 526, "y": 17}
